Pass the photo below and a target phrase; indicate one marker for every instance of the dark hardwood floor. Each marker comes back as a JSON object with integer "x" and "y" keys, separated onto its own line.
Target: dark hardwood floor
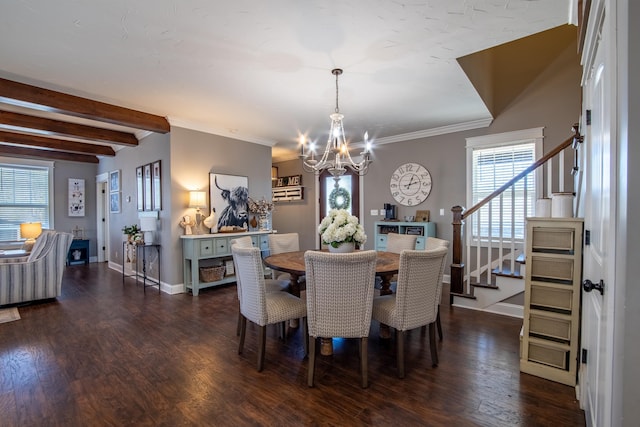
{"x": 104, "y": 354}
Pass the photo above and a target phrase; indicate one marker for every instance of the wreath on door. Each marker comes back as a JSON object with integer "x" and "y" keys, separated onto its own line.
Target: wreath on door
{"x": 339, "y": 199}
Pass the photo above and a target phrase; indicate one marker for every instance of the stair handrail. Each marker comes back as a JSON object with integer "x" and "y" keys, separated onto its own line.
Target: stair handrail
{"x": 457, "y": 266}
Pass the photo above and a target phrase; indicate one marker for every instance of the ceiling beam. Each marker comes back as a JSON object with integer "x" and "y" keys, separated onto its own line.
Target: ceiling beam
{"x": 48, "y": 100}
{"x": 47, "y": 154}
{"x": 60, "y": 128}
{"x": 55, "y": 144}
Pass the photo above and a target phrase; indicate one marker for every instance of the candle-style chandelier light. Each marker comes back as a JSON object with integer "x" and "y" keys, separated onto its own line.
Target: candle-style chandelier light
{"x": 336, "y": 157}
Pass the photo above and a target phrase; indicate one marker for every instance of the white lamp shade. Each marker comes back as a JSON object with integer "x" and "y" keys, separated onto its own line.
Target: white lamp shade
{"x": 197, "y": 199}
{"x": 148, "y": 223}
{"x": 30, "y": 230}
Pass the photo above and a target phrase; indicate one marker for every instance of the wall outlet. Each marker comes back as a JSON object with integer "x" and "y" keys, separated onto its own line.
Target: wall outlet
{"x": 374, "y": 212}
{"x": 441, "y": 212}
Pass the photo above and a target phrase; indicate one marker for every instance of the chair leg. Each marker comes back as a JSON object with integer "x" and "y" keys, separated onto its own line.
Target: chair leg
{"x": 312, "y": 360}
{"x": 243, "y": 330}
{"x": 400, "y": 353}
{"x": 364, "y": 365}
{"x": 432, "y": 344}
{"x": 438, "y": 324}
{"x": 262, "y": 337}
{"x": 305, "y": 336}
{"x": 239, "y": 323}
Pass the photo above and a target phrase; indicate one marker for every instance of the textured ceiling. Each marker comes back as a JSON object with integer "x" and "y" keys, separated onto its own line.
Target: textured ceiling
{"x": 260, "y": 70}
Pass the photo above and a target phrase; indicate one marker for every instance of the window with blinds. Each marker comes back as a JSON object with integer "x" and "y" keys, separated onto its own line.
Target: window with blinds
{"x": 24, "y": 197}
{"x": 492, "y": 167}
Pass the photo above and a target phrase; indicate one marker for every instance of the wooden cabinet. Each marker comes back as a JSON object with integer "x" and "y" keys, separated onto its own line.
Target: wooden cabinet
{"x": 552, "y": 299}
{"x": 214, "y": 250}
{"x": 78, "y": 252}
{"x": 421, "y": 229}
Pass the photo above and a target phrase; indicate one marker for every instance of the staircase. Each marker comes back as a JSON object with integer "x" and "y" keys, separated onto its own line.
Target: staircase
{"x": 488, "y": 273}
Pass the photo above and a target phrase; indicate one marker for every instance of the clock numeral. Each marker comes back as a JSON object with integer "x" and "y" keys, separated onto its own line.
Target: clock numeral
{"x": 409, "y": 167}
{"x": 395, "y": 193}
{"x": 409, "y": 202}
{"x": 395, "y": 177}
{"x": 393, "y": 185}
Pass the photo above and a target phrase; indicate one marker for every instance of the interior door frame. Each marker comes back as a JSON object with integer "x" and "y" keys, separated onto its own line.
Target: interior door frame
{"x": 102, "y": 217}
{"x": 601, "y": 37}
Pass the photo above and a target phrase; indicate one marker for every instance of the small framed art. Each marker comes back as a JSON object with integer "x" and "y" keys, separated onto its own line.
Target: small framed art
{"x": 114, "y": 202}
{"x": 139, "y": 188}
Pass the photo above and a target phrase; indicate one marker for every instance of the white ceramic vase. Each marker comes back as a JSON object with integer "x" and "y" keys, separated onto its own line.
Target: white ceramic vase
{"x": 343, "y": 248}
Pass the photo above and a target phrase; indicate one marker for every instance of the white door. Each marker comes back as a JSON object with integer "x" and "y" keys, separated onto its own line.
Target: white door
{"x": 102, "y": 218}
{"x": 597, "y": 308}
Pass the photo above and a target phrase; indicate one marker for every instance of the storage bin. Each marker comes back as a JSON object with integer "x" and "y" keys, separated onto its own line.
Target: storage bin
{"x": 212, "y": 274}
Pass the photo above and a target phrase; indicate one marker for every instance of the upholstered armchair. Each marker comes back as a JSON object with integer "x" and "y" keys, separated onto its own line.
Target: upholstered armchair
{"x": 279, "y": 243}
{"x": 435, "y": 243}
{"x": 38, "y": 276}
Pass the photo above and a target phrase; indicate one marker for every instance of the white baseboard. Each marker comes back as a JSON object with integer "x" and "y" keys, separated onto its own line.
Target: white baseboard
{"x": 164, "y": 287}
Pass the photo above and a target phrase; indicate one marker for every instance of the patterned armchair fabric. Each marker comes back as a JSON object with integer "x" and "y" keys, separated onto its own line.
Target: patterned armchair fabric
{"x": 340, "y": 291}
{"x": 40, "y": 275}
{"x": 415, "y": 302}
{"x": 259, "y": 306}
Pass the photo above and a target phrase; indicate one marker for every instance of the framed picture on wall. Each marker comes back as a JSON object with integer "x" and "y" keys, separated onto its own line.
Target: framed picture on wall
{"x": 156, "y": 187}
{"x": 114, "y": 202}
{"x": 140, "y": 188}
{"x": 76, "y": 197}
{"x": 147, "y": 187}
{"x": 114, "y": 181}
{"x": 229, "y": 195}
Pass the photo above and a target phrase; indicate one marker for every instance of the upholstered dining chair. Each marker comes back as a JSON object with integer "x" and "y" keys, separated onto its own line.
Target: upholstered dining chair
{"x": 396, "y": 243}
{"x": 339, "y": 300}
{"x": 259, "y": 306}
{"x": 415, "y": 302}
{"x": 435, "y": 243}
{"x": 279, "y": 243}
{"x": 270, "y": 284}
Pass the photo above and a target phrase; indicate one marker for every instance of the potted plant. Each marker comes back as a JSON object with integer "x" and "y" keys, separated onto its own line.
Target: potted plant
{"x": 131, "y": 231}
{"x": 341, "y": 231}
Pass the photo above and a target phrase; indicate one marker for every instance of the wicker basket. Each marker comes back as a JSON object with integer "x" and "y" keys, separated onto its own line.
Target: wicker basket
{"x": 211, "y": 274}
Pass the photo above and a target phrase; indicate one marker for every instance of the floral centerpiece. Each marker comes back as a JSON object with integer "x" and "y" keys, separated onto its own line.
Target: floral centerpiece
{"x": 262, "y": 208}
{"x": 340, "y": 227}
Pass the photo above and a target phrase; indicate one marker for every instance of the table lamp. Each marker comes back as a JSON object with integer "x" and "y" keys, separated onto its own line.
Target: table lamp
{"x": 148, "y": 225}
{"x": 29, "y": 231}
{"x": 198, "y": 199}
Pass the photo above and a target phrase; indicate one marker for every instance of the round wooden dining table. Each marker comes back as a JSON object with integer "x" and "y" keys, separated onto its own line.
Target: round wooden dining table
{"x": 387, "y": 264}
{"x": 293, "y": 263}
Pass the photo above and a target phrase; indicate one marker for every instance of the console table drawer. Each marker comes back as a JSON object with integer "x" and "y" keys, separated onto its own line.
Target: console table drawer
{"x": 206, "y": 247}
{"x": 221, "y": 246}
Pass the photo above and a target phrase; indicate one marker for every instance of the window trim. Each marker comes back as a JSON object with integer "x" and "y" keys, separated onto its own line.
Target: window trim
{"x": 525, "y": 136}
{"x": 50, "y": 165}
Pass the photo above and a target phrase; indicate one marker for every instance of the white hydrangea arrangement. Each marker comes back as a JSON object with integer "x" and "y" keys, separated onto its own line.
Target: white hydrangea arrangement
{"x": 340, "y": 227}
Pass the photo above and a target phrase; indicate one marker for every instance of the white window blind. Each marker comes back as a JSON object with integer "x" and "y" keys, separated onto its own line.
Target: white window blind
{"x": 24, "y": 197}
{"x": 492, "y": 168}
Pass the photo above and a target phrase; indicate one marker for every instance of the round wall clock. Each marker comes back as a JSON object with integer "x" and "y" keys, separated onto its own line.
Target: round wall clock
{"x": 410, "y": 184}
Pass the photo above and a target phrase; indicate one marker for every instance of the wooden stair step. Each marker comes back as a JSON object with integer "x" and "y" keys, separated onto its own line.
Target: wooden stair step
{"x": 469, "y": 296}
{"x": 506, "y": 272}
{"x": 484, "y": 285}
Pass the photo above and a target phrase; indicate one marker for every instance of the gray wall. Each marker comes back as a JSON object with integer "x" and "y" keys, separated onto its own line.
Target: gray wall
{"x": 151, "y": 148}
{"x": 61, "y": 220}
{"x": 552, "y": 100}
{"x": 187, "y": 157}
{"x": 626, "y": 391}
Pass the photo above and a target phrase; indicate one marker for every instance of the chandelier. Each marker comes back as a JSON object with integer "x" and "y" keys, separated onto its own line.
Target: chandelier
{"x": 336, "y": 157}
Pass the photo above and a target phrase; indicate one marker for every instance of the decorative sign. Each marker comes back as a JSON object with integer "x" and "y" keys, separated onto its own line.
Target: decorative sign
{"x": 288, "y": 181}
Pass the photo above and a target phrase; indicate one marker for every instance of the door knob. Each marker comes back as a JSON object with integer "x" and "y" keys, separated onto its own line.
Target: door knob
{"x": 588, "y": 286}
